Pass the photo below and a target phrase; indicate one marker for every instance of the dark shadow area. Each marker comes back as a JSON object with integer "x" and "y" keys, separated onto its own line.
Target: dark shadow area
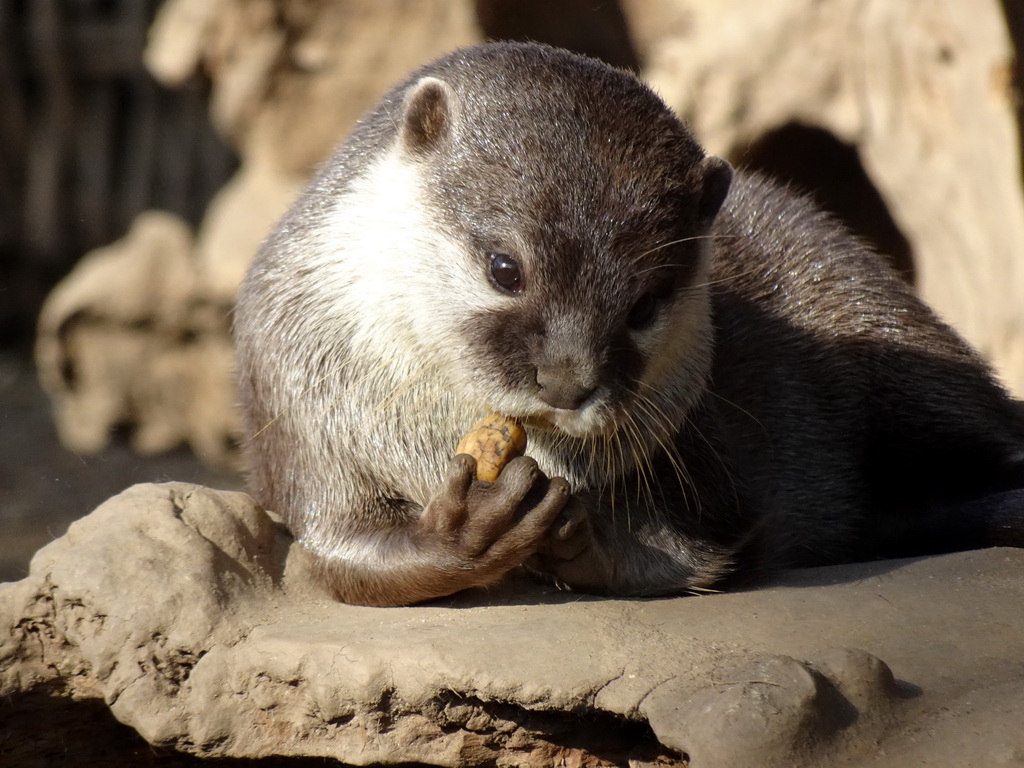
{"x": 813, "y": 161}
{"x": 84, "y": 734}
{"x": 824, "y": 576}
{"x": 88, "y": 140}
{"x": 604, "y": 737}
{"x": 516, "y": 589}
{"x": 596, "y": 29}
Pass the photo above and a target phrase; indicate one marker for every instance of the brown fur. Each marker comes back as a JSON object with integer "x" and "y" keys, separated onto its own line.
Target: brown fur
{"x": 706, "y": 391}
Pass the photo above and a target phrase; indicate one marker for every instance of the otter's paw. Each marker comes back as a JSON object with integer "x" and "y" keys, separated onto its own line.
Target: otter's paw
{"x": 484, "y": 529}
{"x": 571, "y": 533}
{"x": 571, "y": 557}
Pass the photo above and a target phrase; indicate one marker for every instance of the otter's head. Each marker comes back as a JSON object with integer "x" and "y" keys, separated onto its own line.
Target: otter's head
{"x": 559, "y": 266}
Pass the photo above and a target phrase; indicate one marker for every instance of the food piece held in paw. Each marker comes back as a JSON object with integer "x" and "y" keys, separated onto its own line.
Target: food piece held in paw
{"x": 493, "y": 442}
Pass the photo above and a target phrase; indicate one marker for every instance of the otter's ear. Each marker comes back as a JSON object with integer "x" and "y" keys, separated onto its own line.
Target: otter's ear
{"x": 428, "y": 112}
{"x": 717, "y": 176}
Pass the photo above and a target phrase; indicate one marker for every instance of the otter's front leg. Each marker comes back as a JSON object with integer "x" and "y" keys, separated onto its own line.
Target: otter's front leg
{"x": 469, "y": 534}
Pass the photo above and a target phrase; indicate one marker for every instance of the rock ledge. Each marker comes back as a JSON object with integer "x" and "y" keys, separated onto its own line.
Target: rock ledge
{"x": 187, "y": 614}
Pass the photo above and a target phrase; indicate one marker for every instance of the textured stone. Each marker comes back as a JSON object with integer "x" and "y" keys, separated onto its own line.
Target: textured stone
{"x": 189, "y": 615}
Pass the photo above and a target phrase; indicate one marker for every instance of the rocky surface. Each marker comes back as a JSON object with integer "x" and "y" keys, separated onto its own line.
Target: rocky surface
{"x": 187, "y": 614}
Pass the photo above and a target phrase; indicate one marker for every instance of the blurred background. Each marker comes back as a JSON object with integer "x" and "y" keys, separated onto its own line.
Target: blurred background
{"x": 146, "y": 147}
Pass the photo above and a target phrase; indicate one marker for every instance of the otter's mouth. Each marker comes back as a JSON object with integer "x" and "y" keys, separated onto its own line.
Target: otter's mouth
{"x": 595, "y": 420}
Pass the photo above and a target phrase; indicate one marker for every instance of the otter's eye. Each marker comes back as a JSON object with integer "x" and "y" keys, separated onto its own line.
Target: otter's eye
{"x": 505, "y": 273}
{"x": 644, "y": 311}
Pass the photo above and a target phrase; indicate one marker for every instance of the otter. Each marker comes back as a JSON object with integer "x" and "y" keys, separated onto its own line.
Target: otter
{"x": 715, "y": 377}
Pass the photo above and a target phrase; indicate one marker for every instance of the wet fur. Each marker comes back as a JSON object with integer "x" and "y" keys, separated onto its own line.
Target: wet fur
{"x": 792, "y": 404}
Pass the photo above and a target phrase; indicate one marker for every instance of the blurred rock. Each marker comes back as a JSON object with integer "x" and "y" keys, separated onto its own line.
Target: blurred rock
{"x": 923, "y": 92}
{"x": 125, "y": 340}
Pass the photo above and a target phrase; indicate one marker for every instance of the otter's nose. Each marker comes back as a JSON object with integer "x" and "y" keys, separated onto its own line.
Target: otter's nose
{"x": 560, "y": 387}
